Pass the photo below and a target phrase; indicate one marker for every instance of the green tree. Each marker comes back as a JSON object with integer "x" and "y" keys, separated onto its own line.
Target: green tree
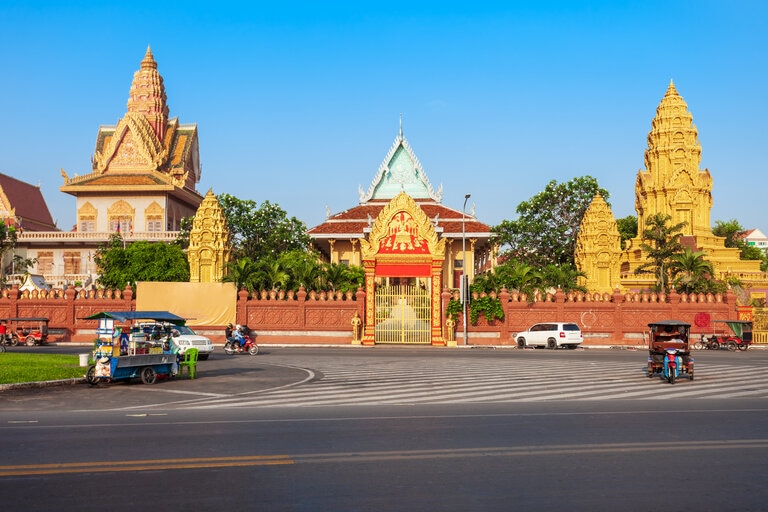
{"x": 512, "y": 274}
{"x": 340, "y": 277}
{"x": 270, "y": 274}
{"x": 564, "y": 277}
{"x": 732, "y": 231}
{"x": 182, "y": 239}
{"x": 627, "y": 227}
{"x": 120, "y": 264}
{"x": 303, "y": 268}
{"x": 262, "y": 230}
{"x": 548, "y": 223}
{"x": 8, "y": 238}
{"x": 241, "y": 272}
{"x": 691, "y": 272}
{"x": 661, "y": 243}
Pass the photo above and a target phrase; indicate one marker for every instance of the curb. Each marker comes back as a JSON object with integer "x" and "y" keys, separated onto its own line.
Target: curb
{"x": 43, "y": 384}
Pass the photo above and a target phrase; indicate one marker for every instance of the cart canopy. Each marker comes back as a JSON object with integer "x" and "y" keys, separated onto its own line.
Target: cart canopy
{"x": 669, "y": 323}
{"x": 739, "y": 327}
{"x": 132, "y": 316}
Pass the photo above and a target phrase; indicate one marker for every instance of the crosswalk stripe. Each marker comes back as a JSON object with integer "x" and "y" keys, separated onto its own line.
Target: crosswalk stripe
{"x": 455, "y": 381}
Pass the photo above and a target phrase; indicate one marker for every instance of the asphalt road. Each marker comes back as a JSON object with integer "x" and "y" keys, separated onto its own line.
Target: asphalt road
{"x": 207, "y": 445}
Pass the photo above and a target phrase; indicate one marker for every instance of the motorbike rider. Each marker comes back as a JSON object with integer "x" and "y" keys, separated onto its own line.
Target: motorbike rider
{"x": 228, "y": 333}
{"x": 238, "y": 336}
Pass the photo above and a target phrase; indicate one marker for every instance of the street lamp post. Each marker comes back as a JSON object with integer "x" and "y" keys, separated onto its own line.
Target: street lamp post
{"x": 464, "y": 283}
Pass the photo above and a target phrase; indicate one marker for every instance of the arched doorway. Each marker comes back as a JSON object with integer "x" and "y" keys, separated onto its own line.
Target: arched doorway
{"x": 403, "y": 260}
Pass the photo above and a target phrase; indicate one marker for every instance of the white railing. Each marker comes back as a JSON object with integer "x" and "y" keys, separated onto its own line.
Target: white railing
{"x": 56, "y": 280}
{"x": 77, "y": 236}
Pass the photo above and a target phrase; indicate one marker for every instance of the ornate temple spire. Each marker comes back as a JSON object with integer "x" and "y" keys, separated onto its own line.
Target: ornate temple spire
{"x": 147, "y": 96}
{"x": 672, "y": 183}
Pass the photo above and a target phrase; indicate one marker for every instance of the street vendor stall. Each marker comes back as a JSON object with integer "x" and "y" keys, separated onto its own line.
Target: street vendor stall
{"x": 120, "y": 355}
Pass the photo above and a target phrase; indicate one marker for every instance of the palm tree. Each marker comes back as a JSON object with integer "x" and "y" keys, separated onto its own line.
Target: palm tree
{"x": 664, "y": 243}
{"x": 690, "y": 271}
{"x": 303, "y": 269}
{"x": 333, "y": 275}
{"x": 241, "y": 272}
{"x": 270, "y": 275}
{"x": 564, "y": 277}
{"x": 518, "y": 275}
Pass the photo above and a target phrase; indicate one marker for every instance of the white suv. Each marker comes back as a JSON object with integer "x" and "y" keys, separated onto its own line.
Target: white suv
{"x": 551, "y": 335}
{"x": 182, "y": 336}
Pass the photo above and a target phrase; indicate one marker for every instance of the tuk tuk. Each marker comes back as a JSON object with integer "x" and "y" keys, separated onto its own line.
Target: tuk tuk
{"x": 668, "y": 350}
{"x": 28, "y": 330}
{"x": 740, "y": 337}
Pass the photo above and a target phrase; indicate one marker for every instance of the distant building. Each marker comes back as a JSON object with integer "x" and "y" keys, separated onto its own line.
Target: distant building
{"x": 22, "y": 205}
{"x": 141, "y": 184}
{"x": 755, "y": 238}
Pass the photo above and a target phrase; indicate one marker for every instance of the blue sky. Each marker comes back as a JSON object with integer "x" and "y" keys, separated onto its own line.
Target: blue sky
{"x": 298, "y": 102}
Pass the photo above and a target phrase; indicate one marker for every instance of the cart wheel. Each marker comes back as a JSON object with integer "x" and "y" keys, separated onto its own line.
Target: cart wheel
{"x": 714, "y": 345}
{"x": 732, "y": 346}
{"x": 743, "y": 346}
{"x": 14, "y": 340}
{"x": 90, "y": 376}
{"x": 30, "y": 341}
{"x": 148, "y": 375}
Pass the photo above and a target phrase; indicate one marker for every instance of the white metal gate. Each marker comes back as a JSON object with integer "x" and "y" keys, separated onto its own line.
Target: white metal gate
{"x": 402, "y": 314}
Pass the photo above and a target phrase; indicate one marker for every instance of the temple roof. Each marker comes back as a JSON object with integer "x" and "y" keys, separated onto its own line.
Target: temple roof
{"x": 23, "y": 205}
{"x": 400, "y": 171}
{"x": 146, "y": 150}
{"x": 355, "y": 222}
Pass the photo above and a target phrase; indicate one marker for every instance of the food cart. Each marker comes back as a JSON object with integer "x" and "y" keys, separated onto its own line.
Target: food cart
{"x": 120, "y": 355}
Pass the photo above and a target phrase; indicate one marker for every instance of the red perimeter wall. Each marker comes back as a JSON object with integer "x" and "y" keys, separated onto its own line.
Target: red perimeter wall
{"x": 325, "y": 318}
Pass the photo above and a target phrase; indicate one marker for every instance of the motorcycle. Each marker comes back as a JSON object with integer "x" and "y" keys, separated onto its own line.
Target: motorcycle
{"x": 672, "y": 364}
{"x": 232, "y": 347}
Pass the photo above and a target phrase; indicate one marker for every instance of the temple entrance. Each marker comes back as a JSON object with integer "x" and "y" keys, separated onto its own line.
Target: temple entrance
{"x": 403, "y": 258}
{"x": 402, "y": 310}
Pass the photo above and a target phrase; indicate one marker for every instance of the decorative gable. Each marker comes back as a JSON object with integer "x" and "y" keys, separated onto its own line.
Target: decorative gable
{"x": 400, "y": 172}
{"x": 402, "y": 229}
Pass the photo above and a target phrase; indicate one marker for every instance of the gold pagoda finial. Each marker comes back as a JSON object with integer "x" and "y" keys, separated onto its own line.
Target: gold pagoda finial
{"x": 671, "y": 89}
{"x": 148, "y": 62}
{"x": 147, "y": 96}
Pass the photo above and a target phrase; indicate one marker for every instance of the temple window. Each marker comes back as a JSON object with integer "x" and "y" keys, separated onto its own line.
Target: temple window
{"x": 154, "y": 223}
{"x": 123, "y": 224}
{"x": 120, "y": 216}
{"x": 154, "y": 215}
{"x": 72, "y": 262}
{"x": 86, "y": 216}
{"x": 45, "y": 262}
{"x": 87, "y": 225}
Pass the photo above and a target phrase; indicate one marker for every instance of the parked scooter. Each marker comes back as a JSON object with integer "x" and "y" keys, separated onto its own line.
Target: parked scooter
{"x": 232, "y": 347}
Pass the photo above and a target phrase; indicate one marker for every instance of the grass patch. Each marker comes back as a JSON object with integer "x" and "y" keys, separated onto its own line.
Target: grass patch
{"x": 27, "y": 367}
